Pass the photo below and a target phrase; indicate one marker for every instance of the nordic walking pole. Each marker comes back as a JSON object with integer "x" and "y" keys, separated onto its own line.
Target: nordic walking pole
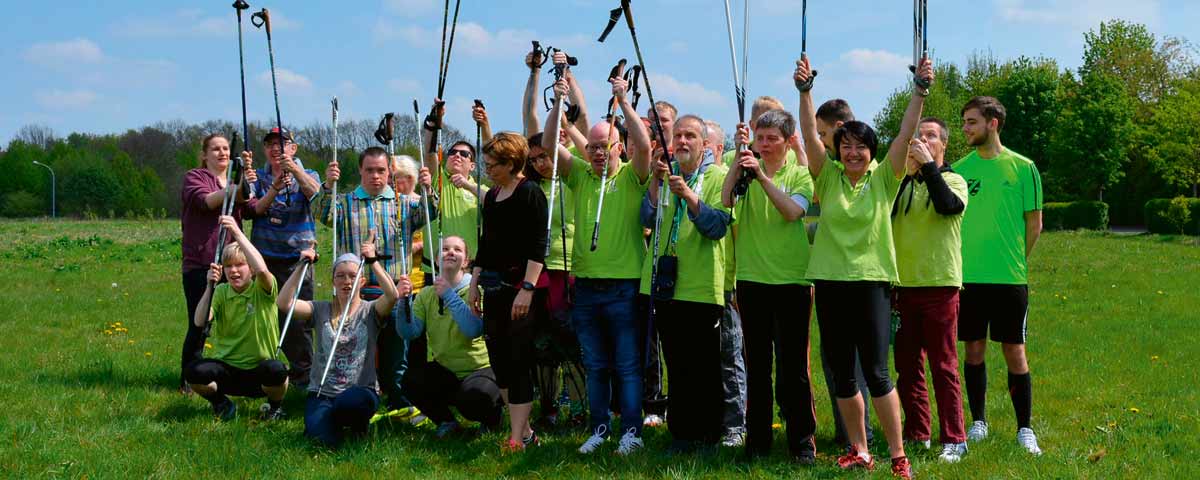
{"x": 807, "y": 85}
{"x": 238, "y": 6}
{"x": 739, "y": 89}
{"x": 341, "y": 323}
{"x": 263, "y": 19}
{"x": 558, "y": 74}
{"x": 616, "y": 72}
{"x": 333, "y": 201}
{"x": 920, "y": 44}
{"x": 233, "y": 180}
{"x": 288, "y": 322}
{"x": 425, "y": 196}
{"x": 478, "y": 177}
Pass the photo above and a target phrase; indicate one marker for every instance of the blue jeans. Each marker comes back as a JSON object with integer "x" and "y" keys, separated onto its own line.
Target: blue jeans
{"x": 325, "y": 417}
{"x": 733, "y": 367}
{"x": 610, "y": 336}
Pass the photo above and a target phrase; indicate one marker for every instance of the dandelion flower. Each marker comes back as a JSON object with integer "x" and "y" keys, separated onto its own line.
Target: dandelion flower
{"x": 148, "y": 354}
{"x": 131, "y": 342}
{"x": 1154, "y": 358}
{"x": 108, "y": 332}
{"x": 1160, "y": 292}
{"x": 117, "y": 323}
{"x": 1134, "y": 410}
{"x": 777, "y": 426}
{"x": 207, "y": 345}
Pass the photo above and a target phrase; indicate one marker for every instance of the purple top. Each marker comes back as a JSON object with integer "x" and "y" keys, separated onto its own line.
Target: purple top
{"x": 199, "y": 222}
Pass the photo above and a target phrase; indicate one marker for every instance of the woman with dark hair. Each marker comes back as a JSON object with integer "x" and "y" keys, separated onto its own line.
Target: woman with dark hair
{"x": 509, "y": 262}
{"x": 202, "y": 196}
{"x": 853, "y": 263}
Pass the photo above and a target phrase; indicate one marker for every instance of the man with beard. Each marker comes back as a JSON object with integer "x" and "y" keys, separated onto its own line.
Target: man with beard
{"x": 998, "y": 235}
{"x": 607, "y": 278}
{"x": 691, "y": 259}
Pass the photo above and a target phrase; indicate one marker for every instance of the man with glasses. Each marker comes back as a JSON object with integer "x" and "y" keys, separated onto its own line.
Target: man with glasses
{"x": 283, "y": 226}
{"x": 458, "y": 207}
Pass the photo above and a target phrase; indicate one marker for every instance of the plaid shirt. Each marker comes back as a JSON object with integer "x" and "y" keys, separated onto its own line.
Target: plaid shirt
{"x": 359, "y": 213}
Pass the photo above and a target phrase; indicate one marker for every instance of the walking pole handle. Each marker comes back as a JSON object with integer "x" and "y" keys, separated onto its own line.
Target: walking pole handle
{"x": 262, "y": 18}
{"x": 241, "y": 5}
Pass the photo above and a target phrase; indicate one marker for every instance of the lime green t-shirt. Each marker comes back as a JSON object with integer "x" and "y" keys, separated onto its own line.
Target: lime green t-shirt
{"x": 701, "y": 275}
{"x": 854, "y": 242}
{"x": 620, "y": 248}
{"x": 1002, "y": 189}
{"x": 928, "y": 244}
{"x": 245, "y": 326}
{"x": 457, "y": 214}
{"x": 555, "y": 260}
{"x": 770, "y": 249}
{"x": 447, "y": 344}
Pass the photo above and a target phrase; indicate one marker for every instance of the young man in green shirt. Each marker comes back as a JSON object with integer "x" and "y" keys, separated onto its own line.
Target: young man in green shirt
{"x": 244, "y": 333}
{"x": 776, "y": 298}
{"x": 454, "y": 178}
{"x": 926, "y": 225}
{"x": 607, "y": 278}
{"x": 687, "y": 315}
{"x": 998, "y": 235}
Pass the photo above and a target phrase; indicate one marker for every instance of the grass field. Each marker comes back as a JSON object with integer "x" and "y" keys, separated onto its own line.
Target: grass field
{"x": 1113, "y": 329}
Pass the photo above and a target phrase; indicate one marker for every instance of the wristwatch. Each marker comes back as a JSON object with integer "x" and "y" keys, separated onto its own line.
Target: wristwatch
{"x": 527, "y": 286}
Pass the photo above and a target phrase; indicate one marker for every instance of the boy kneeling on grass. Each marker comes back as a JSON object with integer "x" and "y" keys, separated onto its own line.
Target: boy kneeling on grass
{"x": 244, "y": 333}
{"x": 349, "y": 394}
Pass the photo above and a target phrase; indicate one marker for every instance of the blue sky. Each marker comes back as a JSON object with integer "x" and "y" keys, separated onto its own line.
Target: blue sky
{"x": 105, "y": 67}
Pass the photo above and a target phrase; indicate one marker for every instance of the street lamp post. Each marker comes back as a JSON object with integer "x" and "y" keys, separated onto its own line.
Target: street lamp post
{"x": 53, "y": 200}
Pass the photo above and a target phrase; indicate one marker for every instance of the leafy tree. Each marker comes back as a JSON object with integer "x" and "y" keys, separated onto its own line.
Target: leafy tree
{"x": 1091, "y": 140}
{"x": 1171, "y": 138}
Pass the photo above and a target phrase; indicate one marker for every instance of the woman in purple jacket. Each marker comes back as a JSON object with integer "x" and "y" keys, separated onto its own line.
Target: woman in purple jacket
{"x": 202, "y": 195}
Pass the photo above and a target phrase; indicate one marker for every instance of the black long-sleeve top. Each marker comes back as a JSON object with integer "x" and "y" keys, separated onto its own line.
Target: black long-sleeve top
{"x": 514, "y": 231}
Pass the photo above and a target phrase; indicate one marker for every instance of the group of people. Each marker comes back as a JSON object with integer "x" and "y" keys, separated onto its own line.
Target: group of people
{"x": 664, "y": 252}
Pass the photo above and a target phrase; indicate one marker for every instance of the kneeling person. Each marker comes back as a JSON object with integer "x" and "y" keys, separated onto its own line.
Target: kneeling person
{"x": 459, "y": 373}
{"x": 244, "y": 333}
{"x": 349, "y": 394}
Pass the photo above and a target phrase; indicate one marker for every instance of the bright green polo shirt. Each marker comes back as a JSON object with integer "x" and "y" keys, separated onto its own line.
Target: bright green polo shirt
{"x": 701, "y": 276}
{"x": 854, "y": 242}
{"x": 555, "y": 260}
{"x": 770, "y": 249}
{"x": 457, "y": 214}
{"x": 620, "y": 249}
{"x": 1002, "y": 189}
{"x": 447, "y": 344}
{"x": 245, "y": 326}
{"x": 928, "y": 244}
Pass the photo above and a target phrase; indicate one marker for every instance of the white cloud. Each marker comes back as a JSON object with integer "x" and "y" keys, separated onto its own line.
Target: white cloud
{"x": 194, "y": 23}
{"x": 470, "y": 39}
{"x": 66, "y": 53}
{"x": 685, "y": 95}
{"x": 677, "y": 47}
{"x": 875, "y": 62}
{"x": 64, "y": 99}
{"x": 404, "y": 85}
{"x": 347, "y": 88}
{"x": 1079, "y": 15}
{"x": 289, "y": 81}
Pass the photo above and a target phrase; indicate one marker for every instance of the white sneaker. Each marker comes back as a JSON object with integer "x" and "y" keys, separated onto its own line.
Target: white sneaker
{"x": 978, "y": 431}
{"x": 1028, "y": 440}
{"x": 953, "y": 452}
{"x": 652, "y": 421}
{"x": 630, "y": 442}
{"x": 597, "y": 439}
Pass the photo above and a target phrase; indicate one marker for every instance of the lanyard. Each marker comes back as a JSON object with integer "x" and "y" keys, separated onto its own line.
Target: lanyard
{"x": 696, "y": 184}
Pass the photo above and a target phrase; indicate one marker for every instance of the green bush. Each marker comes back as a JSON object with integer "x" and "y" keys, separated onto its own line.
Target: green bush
{"x": 1159, "y": 220}
{"x": 1088, "y": 215}
{"x": 21, "y": 204}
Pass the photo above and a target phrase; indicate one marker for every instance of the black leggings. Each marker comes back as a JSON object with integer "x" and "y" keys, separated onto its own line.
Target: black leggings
{"x": 434, "y": 389}
{"x": 194, "y": 283}
{"x": 856, "y": 316}
{"x": 235, "y": 381}
{"x": 510, "y": 341}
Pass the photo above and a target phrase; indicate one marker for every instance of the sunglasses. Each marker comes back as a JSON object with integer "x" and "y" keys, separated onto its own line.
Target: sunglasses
{"x": 462, "y": 152}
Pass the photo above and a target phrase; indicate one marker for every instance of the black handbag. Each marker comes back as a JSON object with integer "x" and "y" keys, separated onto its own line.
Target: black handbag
{"x": 663, "y": 287}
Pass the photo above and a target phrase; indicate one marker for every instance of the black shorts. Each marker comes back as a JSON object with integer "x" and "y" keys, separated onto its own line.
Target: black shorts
{"x": 1002, "y": 308}
{"x": 235, "y": 381}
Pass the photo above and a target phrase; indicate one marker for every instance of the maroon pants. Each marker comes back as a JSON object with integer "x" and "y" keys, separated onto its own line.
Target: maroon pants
{"x": 929, "y": 327}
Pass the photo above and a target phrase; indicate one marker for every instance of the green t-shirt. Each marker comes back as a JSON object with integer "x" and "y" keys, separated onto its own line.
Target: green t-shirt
{"x": 1002, "y": 189}
{"x": 701, "y": 275}
{"x": 928, "y": 244}
{"x": 555, "y": 260}
{"x": 245, "y": 326}
{"x": 770, "y": 249}
{"x": 447, "y": 344}
{"x": 620, "y": 249}
{"x": 457, "y": 214}
{"x": 854, "y": 242}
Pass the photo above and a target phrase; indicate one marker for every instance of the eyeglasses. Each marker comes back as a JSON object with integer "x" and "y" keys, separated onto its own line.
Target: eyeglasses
{"x": 462, "y": 152}
{"x": 595, "y": 148}
{"x": 538, "y": 158}
{"x": 490, "y": 165}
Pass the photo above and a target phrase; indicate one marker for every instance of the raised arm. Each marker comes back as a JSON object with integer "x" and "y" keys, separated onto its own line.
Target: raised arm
{"x": 808, "y": 118}
{"x": 550, "y": 135}
{"x": 427, "y": 140}
{"x": 742, "y": 137}
{"x": 576, "y": 97}
{"x": 638, "y": 136}
{"x": 288, "y": 290}
{"x": 529, "y": 116}
{"x": 204, "y": 309}
{"x": 898, "y": 152}
{"x": 258, "y": 266}
{"x": 479, "y": 114}
{"x": 575, "y": 136}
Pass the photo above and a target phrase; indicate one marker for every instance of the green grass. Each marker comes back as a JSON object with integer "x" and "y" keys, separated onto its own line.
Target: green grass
{"x": 1113, "y": 324}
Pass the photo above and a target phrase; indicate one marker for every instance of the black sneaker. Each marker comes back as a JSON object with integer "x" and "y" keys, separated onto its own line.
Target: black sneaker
{"x": 225, "y": 410}
{"x": 804, "y": 452}
{"x": 269, "y": 414}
